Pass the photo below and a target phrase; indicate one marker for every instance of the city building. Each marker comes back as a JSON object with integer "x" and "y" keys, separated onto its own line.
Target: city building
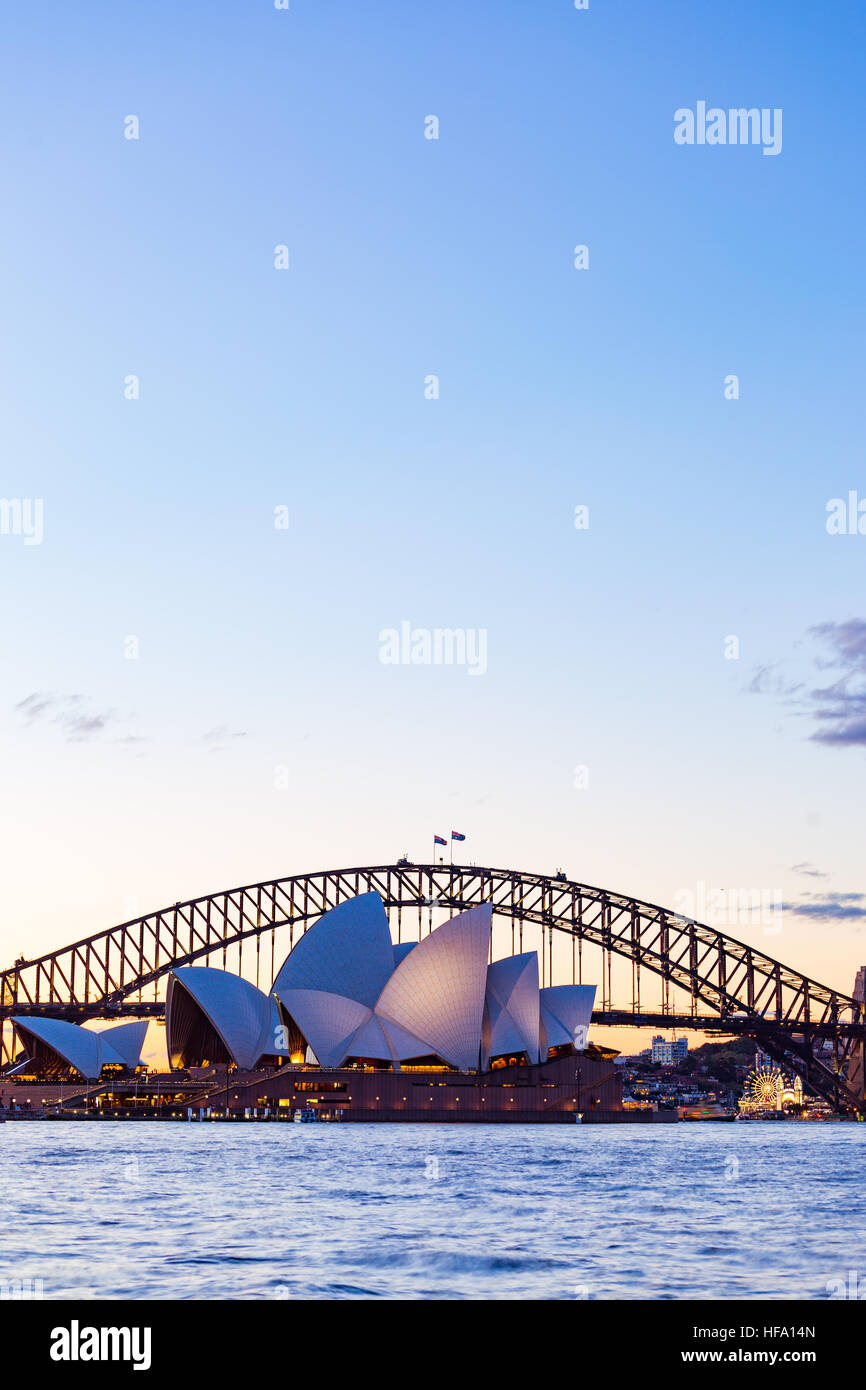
{"x": 669, "y": 1051}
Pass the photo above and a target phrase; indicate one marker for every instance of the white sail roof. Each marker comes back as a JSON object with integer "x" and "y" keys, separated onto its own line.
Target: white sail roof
{"x": 369, "y": 1041}
{"x": 437, "y": 992}
{"x": 127, "y": 1040}
{"x": 382, "y": 1040}
{"x": 511, "y": 1008}
{"x": 564, "y": 1010}
{"x": 328, "y": 1022}
{"x": 350, "y": 992}
{"x": 404, "y": 1044}
{"x": 347, "y": 952}
{"x": 86, "y": 1051}
{"x": 243, "y": 1017}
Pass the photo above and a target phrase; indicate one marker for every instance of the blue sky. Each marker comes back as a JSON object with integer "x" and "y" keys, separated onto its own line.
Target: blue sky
{"x": 259, "y": 648}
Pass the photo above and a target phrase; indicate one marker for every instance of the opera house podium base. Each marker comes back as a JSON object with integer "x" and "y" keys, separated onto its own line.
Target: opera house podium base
{"x": 552, "y": 1092}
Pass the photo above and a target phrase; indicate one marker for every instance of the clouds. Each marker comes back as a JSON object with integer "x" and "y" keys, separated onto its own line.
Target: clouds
{"x": 81, "y": 721}
{"x": 74, "y": 714}
{"x": 808, "y": 870}
{"x": 829, "y": 907}
{"x": 840, "y": 707}
{"x": 35, "y": 705}
{"x": 848, "y": 639}
{"x": 836, "y": 708}
{"x": 767, "y": 680}
{"x": 221, "y": 736}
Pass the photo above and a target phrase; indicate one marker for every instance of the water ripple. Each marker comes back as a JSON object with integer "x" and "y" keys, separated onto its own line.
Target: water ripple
{"x": 415, "y": 1211}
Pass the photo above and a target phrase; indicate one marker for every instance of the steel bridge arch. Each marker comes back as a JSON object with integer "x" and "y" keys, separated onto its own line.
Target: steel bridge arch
{"x": 739, "y": 988}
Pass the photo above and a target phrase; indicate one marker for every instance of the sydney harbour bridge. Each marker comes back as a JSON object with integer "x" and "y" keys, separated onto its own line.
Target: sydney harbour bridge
{"x": 653, "y": 968}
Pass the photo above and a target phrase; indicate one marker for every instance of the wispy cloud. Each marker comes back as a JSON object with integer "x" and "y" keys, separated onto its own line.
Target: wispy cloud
{"x": 840, "y": 708}
{"x": 829, "y": 907}
{"x": 808, "y": 870}
{"x": 80, "y": 721}
{"x": 221, "y": 736}
{"x": 836, "y": 708}
{"x": 848, "y": 639}
{"x": 36, "y": 705}
{"x": 74, "y": 714}
{"x": 767, "y": 680}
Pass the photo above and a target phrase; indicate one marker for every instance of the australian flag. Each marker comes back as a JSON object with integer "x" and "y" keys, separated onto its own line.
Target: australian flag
{"x": 455, "y": 835}
{"x": 438, "y": 840}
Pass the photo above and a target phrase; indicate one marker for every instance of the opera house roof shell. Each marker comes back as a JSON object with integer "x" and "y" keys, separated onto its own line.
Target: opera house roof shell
{"x": 54, "y": 1043}
{"x": 346, "y": 991}
{"x": 212, "y": 1014}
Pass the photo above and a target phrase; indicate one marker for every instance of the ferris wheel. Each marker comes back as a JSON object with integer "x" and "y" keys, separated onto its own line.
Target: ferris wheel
{"x": 765, "y": 1086}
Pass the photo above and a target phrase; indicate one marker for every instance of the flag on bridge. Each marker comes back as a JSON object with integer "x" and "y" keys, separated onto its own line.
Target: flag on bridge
{"x": 455, "y": 835}
{"x": 438, "y": 840}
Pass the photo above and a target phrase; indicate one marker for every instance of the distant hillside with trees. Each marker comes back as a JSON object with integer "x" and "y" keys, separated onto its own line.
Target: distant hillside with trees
{"x": 721, "y": 1059}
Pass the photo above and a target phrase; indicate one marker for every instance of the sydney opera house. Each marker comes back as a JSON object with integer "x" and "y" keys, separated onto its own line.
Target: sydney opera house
{"x": 56, "y": 1049}
{"x": 358, "y": 1027}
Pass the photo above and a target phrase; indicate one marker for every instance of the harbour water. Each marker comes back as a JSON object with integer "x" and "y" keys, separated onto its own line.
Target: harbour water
{"x": 199, "y": 1211}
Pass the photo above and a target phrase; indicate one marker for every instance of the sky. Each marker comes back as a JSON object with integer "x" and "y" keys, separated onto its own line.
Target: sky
{"x": 244, "y": 474}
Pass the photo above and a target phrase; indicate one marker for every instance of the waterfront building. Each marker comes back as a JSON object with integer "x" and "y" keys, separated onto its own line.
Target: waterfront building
{"x": 669, "y": 1051}
{"x": 359, "y": 1026}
